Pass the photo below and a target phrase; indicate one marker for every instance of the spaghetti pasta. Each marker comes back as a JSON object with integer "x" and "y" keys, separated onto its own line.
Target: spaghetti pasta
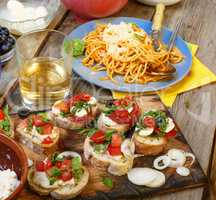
{"x": 126, "y": 50}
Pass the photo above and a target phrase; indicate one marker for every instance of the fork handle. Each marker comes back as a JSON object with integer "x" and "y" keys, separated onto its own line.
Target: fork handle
{"x": 158, "y": 17}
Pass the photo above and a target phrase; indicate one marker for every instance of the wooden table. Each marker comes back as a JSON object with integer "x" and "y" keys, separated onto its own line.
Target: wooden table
{"x": 194, "y": 111}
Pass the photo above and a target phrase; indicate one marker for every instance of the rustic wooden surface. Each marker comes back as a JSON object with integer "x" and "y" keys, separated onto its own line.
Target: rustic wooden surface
{"x": 194, "y": 111}
{"x": 95, "y": 190}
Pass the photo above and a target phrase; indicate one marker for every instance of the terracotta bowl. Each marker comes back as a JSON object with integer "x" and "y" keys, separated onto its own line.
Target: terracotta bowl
{"x": 13, "y": 157}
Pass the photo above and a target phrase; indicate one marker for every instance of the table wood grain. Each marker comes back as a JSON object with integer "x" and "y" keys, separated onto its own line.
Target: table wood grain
{"x": 194, "y": 111}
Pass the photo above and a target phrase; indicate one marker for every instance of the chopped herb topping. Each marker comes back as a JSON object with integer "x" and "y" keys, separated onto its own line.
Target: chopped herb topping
{"x": 77, "y": 168}
{"x": 108, "y": 182}
{"x": 5, "y": 124}
{"x": 109, "y": 110}
{"x": 55, "y": 172}
{"x": 74, "y": 47}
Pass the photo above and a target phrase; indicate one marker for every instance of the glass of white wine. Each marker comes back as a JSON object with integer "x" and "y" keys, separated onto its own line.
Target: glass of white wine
{"x": 44, "y": 68}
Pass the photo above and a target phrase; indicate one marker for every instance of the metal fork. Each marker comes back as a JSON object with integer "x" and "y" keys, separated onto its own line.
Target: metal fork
{"x": 171, "y": 44}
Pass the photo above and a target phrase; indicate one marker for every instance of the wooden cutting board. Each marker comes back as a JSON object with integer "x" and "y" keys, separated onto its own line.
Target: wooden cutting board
{"x": 123, "y": 189}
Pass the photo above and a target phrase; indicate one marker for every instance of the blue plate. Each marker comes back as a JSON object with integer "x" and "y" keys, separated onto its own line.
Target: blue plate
{"x": 94, "y": 77}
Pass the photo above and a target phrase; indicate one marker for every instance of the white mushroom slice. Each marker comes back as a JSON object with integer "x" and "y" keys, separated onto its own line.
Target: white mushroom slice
{"x": 30, "y": 162}
{"x": 158, "y": 181}
{"x": 146, "y": 131}
{"x": 162, "y": 162}
{"x": 87, "y": 148}
{"x": 177, "y": 157}
{"x": 142, "y": 176}
{"x": 92, "y": 101}
{"x": 128, "y": 148}
{"x": 69, "y": 154}
{"x": 170, "y": 125}
{"x": 187, "y": 154}
{"x": 41, "y": 179}
{"x": 183, "y": 171}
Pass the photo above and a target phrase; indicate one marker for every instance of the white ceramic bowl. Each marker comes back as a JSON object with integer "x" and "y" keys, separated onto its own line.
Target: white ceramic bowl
{"x": 19, "y": 27}
{"x": 155, "y": 2}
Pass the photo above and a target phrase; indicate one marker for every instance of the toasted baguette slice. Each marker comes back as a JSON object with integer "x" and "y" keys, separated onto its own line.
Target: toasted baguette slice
{"x": 66, "y": 123}
{"x": 62, "y": 192}
{"x": 25, "y": 139}
{"x": 105, "y": 163}
{"x": 120, "y": 128}
{"x": 149, "y": 146}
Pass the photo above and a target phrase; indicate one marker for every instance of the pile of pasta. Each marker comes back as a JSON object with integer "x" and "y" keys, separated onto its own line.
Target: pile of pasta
{"x": 134, "y": 59}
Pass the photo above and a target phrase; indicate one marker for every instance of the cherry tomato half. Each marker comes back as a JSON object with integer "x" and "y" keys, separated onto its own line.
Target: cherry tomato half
{"x": 47, "y": 129}
{"x": 79, "y": 97}
{"x": 66, "y": 176}
{"x": 171, "y": 134}
{"x": 2, "y": 115}
{"x": 47, "y": 140}
{"x": 149, "y": 122}
{"x": 98, "y": 137}
{"x": 121, "y": 117}
{"x": 65, "y": 165}
{"x": 114, "y": 151}
{"x": 40, "y": 166}
{"x": 38, "y": 121}
{"x": 63, "y": 106}
{"x": 116, "y": 140}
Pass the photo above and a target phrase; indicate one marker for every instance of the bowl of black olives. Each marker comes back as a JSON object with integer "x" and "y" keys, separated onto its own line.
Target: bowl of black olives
{"x": 7, "y": 45}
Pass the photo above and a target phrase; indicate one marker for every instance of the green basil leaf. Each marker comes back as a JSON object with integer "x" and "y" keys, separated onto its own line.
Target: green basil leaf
{"x": 52, "y": 180}
{"x": 74, "y": 47}
{"x": 77, "y": 168}
{"x": 108, "y": 182}
{"x": 55, "y": 172}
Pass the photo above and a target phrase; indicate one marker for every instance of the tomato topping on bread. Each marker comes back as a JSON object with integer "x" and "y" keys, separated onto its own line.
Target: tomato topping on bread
{"x": 76, "y": 112}
{"x": 61, "y": 175}
{"x": 152, "y": 131}
{"x": 6, "y": 124}
{"x": 120, "y": 116}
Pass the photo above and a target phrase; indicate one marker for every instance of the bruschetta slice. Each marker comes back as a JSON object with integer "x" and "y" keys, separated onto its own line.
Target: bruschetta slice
{"x": 76, "y": 112}
{"x": 62, "y": 176}
{"x": 6, "y": 124}
{"x": 109, "y": 151}
{"x": 38, "y": 133}
{"x": 152, "y": 133}
{"x": 119, "y": 116}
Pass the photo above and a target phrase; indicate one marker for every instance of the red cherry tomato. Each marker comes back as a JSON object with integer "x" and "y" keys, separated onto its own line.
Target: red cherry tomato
{"x": 2, "y": 115}
{"x": 116, "y": 140}
{"x": 135, "y": 113}
{"x": 47, "y": 164}
{"x": 79, "y": 97}
{"x": 38, "y": 121}
{"x": 40, "y": 166}
{"x": 114, "y": 151}
{"x": 47, "y": 140}
{"x": 149, "y": 122}
{"x": 120, "y": 117}
{"x": 171, "y": 134}
{"x": 85, "y": 119}
{"x": 58, "y": 164}
{"x": 65, "y": 165}
{"x": 47, "y": 129}
{"x": 98, "y": 137}
{"x": 66, "y": 176}
{"x": 63, "y": 106}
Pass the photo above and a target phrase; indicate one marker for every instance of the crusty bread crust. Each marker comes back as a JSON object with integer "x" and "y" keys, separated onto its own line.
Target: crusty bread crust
{"x": 64, "y": 192}
{"x": 68, "y": 124}
{"x": 115, "y": 167}
{"x": 149, "y": 146}
{"x": 46, "y": 149}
